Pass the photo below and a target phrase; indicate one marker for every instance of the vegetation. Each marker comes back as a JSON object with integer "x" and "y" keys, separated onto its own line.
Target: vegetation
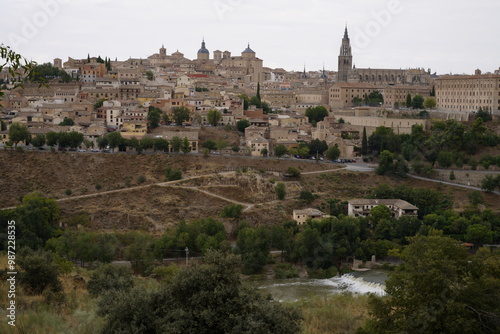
{"x": 213, "y": 117}
{"x": 316, "y": 114}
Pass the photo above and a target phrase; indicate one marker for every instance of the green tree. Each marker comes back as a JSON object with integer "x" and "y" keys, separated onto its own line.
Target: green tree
{"x": 364, "y": 143}
{"x": 380, "y": 212}
{"x": 254, "y": 247}
{"x": 52, "y": 138}
{"x": 264, "y": 152}
{"x": 333, "y": 152}
{"x": 185, "y": 146}
{"x": 280, "y": 150}
{"x": 213, "y": 117}
{"x": 316, "y": 114}
{"x": 418, "y": 102}
{"x": 307, "y": 196}
{"x": 384, "y": 138}
{"x": 294, "y": 172}
{"x": 110, "y": 277}
{"x": 154, "y": 117}
{"x": 176, "y": 143}
{"x": 408, "y": 100}
{"x": 150, "y": 75}
{"x": 18, "y": 132}
{"x": 317, "y": 146}
{"x": 210, "y": 145}
{"x": 115, "y": 139}
{"x": 74, "y": 138}
{"x": 99, "y": 103}
{"x": 38, "y": 271}
{"x": 430, "y": 103}
{"x": 173, "y": 174}
{"x": 490, "y": 183}
{"x": 438, "y": 289}
{"x": 161, "y": 144}
{"x": 201, "y": 299}
{"x": 67, "y": 122}
{"x": 241, "y": 125}
{"x": 181, "y": 115}
{"x": 232, "y": 211}
{"x": 479, "y": 234}
{"x": 38, "y": 141}
{"x": 280, "y": 190}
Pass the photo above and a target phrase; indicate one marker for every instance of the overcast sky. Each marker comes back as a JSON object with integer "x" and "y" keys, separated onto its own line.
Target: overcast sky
{"x": 447, "y": 36}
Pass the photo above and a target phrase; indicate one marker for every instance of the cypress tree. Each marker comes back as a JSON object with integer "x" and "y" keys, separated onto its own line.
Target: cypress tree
{"x": 258, "y": 92}
{"x": 408, "y": 100}
{"x": 364, "y": 143}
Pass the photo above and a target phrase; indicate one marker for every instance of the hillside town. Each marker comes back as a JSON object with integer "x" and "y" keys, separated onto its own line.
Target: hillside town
{"x": 96, "y": 96}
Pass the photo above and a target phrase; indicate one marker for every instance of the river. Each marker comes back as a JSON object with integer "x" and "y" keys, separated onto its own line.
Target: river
{"x": 289, "y": 290}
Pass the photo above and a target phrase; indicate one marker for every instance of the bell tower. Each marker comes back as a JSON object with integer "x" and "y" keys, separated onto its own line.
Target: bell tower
{"x": 345, "y": 58}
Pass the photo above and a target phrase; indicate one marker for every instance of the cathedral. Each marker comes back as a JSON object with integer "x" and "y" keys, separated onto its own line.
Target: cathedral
{"x": 347, "y": 71}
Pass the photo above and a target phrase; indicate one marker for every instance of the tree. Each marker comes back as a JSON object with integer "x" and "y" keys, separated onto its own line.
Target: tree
{"x": 16, "y": 65}
{"x": 36, "y": 220}
{"x": 490, "y": 183}
{"x": 18, "y": 132}
{"x": 280, "y": 150}
{"x": 172, "y": 174}
{"x": 316, "y": 114}
{"x": 242, "y": 125}
{"x": 102, "y": 142}
{"x": 294, "y": 172}
{"x": 38, "y": 141}
{"x": 386, "y": 163}
{"x": 51, "y": 138}
{"x": 333, "y": 152}
{"x": 161, "y": 144}
{"x": 479, "y": 234}
{"x": 317, "y": 146}
{"x": 408, "y": 101}
{"x": 213, "y": 117}
{"x": 418, "y": 102}
{"x": 150, "y": 75}
{"x": 110, "y": 277}
{"x": 439, "y": 289}
{"x": 201, "y": 299}
{"x": 39, "y": 271}
{"x": 430, "y": 103}
{"x": 246, "y": 101}
{"x": 176, "y": 143}
{"x": 264, "y": 152}
{"x": 307, "y": 196}
{"x": 384, "y": 138}
{"x": 74, "y": 138}
{"x": 232, "y": 211}
{"x": 210, "y": 144}
{"x": 154, "y": 117}
{"x": 181, "y": 115}
{"x": 99, "y": 103}
{"x": 67, "y": 122}
{"x": 254, "y": 247}
{"x": 364, "y": 143}
{"x": 280, "y": 191}
{"x": 185, "y": 146}
{"x": 115, "y": 139}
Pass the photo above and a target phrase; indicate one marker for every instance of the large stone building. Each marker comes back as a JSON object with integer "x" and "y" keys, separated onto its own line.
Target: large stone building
{"x": 347, "y": 71}
{"x": 468, "y": 93}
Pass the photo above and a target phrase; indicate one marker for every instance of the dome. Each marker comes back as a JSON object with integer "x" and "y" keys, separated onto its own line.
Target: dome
{"x": 248, "y": 50}
{"x": 203, "y": 48}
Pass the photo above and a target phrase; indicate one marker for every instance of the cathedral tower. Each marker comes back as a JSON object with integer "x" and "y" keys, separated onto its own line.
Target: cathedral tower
{"x": 345, "y": 59}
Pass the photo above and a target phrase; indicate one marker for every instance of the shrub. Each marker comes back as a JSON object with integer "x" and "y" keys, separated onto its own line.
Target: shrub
{"x": 172, "y": 174}
{"x": 68, "y": 192}
{"x": 280, "y": 191}
{"x": 141, "y": 179}
{"x": 39, "y": 271}
{"x": 110, "y": 277}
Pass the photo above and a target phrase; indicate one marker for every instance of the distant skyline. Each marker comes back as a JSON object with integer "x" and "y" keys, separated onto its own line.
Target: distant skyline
{"x": 446, "y": 36}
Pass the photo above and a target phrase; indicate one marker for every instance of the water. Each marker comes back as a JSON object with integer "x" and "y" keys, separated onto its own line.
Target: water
{"x": 287, "y": 290}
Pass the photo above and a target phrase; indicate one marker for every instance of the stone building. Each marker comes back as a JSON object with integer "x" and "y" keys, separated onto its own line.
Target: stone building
{"x": 468, "y": 93}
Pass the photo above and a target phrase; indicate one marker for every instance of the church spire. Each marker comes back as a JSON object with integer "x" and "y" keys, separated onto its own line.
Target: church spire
{"x": 346, "y": 34}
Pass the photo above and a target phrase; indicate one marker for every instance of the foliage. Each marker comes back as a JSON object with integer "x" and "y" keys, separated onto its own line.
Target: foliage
{"x": 213, "y": 117}
{"x": 18, "y": 132}
{"x": 176, "y": 143}
{"x": 173, "y": 174}
{"x": 390, "y": 163}
{"x": 430, "y": 103}
{"x": 16, "y": 65}
{"x": 490, "y": 183}
{"x": 154, "y": 117}
{"x": 39, "y": 271}
{"x": 254, "y": 247}
{"x": 384, "y": 138}
{"x": 294, "y": 172}
{"x": 439, "y": 289}
{"x": 307, "y": 196}
{"x": 333, "y": 152}
{"x": 280, "y": 150}
{"x": 185, "y": 146}
{"x": 280, "y": 190}
{"x": 232, "y": 211}
{"x": 316, "y": 114}
{"x": 364, "y": 143}
{"x": 110, "y": 277}
{"x": 210, "y": 145}
{"x": 38, "y": 140}
{"x": 67, "y": 122}
{"x": 181, "y": 115}
{"x": 317, "y": 146}
{"x": 205, "y": 298}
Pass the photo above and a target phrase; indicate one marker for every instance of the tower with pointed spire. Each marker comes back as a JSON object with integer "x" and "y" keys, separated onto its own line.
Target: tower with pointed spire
{"x": 345, "y": 58}
{"x": 163, "y": 51}
{"x": 304, "y": 74}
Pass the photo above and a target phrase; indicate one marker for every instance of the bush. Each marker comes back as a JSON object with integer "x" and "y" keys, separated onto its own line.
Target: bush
{"x": 294, "y": 172}
{"x": 68, "y": 192}
{"x": 172, "y": 174}
{"x": 110, "y": 277}
{"x": 141, "y": 179}
{"x": 232, "y": 211}
{"x": 280, "y": 191}
{"x": 39, "y": 271}
{"x": 98, "y": 186}
{"x": 286, "y": 270}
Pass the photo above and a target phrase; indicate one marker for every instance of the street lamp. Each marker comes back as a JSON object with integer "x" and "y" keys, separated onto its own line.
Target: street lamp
{"x": 187, "y": 255}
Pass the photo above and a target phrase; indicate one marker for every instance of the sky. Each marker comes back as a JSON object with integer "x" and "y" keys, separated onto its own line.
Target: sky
{"x": 446, "y": 36}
